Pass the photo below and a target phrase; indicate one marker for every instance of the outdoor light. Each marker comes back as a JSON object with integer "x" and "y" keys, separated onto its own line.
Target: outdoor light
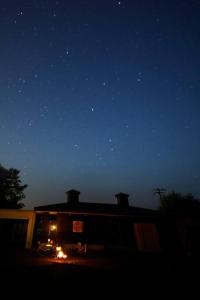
{"x": 53, "y": 227}
{"x": 52, "y": 231}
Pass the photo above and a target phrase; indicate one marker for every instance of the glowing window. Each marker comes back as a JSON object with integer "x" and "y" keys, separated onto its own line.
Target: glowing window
{"x": 78, "y": 226}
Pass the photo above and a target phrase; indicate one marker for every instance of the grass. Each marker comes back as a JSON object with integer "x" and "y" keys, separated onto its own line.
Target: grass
{"x": 112, "y": 273}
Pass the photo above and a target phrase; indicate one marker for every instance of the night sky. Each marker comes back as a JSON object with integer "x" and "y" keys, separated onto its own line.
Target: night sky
{"x": 101, "y": 96}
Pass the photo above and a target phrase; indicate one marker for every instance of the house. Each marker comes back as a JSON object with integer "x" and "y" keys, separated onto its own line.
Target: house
{"x": 100, "y": 226}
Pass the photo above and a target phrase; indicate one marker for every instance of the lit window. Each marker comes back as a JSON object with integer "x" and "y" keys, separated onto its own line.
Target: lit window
{"x": 78, "y": 226}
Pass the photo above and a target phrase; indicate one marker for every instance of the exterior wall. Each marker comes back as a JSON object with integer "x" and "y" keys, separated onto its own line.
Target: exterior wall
{"x": 141, "y": 234}
{"x": 101, "y": 232}
{"x": 188, "y": 232}
{"x": 15, "y": 214}
{"x": 147, "y": 237}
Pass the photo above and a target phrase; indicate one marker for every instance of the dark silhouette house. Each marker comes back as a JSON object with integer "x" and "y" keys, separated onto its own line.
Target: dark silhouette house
{"x": 101, "y": 226}
{"x": 98, "y": 225}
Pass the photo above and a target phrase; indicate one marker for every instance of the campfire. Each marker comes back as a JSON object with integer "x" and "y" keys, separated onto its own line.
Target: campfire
{"x": 49, "y": 249}
{"x": 59, "y": 253}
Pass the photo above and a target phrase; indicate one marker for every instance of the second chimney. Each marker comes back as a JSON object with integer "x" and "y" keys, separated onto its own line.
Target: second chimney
{"x": 73, "y": 196}
{"x": 122, "y": 199}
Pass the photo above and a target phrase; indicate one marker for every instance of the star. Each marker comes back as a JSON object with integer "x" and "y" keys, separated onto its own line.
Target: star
{"x": 43, "y": 111}
{"x": 99, "y": 157}
{"x": 22, "y": 80}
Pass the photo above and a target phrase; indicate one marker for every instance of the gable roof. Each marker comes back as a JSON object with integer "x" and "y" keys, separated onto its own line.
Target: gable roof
{"x": 96, "y": 208}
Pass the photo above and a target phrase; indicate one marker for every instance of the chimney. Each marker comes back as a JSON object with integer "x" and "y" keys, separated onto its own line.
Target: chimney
{"x": 73, "y": 196}
{"x": 122, "y": 199}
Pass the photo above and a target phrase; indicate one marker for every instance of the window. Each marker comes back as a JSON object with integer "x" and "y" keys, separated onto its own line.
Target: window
{"x": 78, "y": 226}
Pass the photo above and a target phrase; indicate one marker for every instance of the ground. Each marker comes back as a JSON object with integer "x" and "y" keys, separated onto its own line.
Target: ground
{"x": 114, "y": 273}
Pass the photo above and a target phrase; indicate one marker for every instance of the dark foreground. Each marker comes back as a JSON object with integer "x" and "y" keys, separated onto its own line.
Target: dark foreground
{"x": 125, "y": 274}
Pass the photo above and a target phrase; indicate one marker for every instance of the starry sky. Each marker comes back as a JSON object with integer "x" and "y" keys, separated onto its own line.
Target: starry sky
{"x": 102, "y": 96}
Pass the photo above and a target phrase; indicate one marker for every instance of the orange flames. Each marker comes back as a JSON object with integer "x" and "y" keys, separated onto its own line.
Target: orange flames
{"x": 60, "y": 254}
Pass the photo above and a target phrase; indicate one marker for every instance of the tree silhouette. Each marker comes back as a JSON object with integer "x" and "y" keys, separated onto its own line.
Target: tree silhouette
{"x": 183, "y": 205}
{"x": 11, "y": 190}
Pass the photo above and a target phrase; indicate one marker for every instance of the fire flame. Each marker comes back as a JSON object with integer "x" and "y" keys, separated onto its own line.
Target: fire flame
{"x": 60, "y": 254}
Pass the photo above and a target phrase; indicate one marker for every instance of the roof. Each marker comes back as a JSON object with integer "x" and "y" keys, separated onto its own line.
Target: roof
{"x": 96, "y": 208}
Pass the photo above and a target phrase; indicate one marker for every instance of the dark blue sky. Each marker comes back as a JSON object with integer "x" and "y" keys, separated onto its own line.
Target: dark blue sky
{"x": 101, "y": 96}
